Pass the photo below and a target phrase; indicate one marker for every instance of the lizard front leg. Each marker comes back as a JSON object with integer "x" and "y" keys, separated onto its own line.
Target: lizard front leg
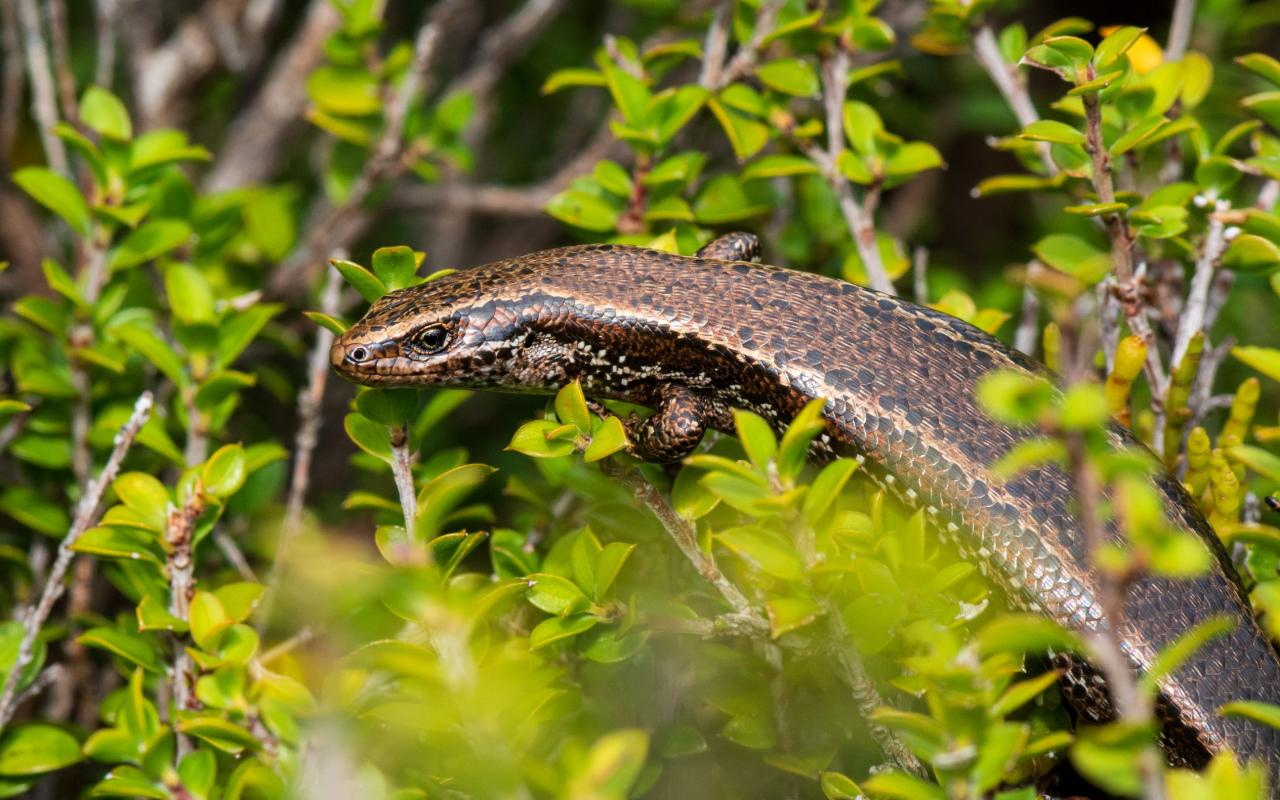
{"x": 681, "y": 417}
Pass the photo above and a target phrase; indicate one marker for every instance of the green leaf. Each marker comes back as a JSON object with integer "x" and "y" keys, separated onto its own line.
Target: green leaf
{"x": 571, "y": 407}
{"x": 764, "y": 550}
{"x": 1048, "y": 130}
{"x": 57, "y": 194}
{"x": 135, "y": 648}
{"x": 396, "y": 267}
{"x": 608, "y": 564}
{"x": 129, "y": 781}
{"x": 1116, "y": 44}
{"x": 532, "y": 440}
{"x": 826, "y": 487}
{"x": 391, "y": 407}
{"x": 1025, "y": 633}
{"x": 142, "y": 338}
{"x": 268, "y": 219}
{"x": 224, "y": 735}
{"x": 152, "y": 240}
{"x": 725, "y": 199}
{"x": 901, "y": 786}
{"x": 608, "y": 438}
{"x": 345, "y": 91}
{"x": 778, "y": 166}
{"x": 208, "y": 618}
{"x": 219, "y": 386}
{"x": 1266, "y": 713}
{"x": 789, "y": 76}
{"x": 757, "y": 438}
{"x": 837, "y": 786}
{"x": 37, "y": 748}
{"x": 103, "y": 112}
{"x": 613, "y": 178}
{"x": 240, "y": 599}
{"x": 630, "y": 94}
{"x": 11, "y": 635}
{"x": 198, "y": 771}
{"x": 912, "y": 158}
{"x": 583, "y": 210}
{"x": 113, "y": 542}
{"x": 1021, "y": 693}
{"x": 862, "y": 127}
{"x": 152, "y": 616}
{"x": 146, "y": 496}
{"x": 224, "y": 473}
{"x": 1174, "y": 655}
{"x": 612, "y": 765}
{"x": 1074, "y": 256}
{"x": 1264, "y": 359}
{"x": 1262, "y": 64}
{"x": 1250, "y": 253}
{"x": 190, "y": 295}
{"x": 1262, "y": 462}
{"x": 557, "y": 629}
{"x": 563, "y": 78}
{"x": 332, "y": 324}
{"x": 554, "y": 594}
{"x": 364, "y": 281}
{"x": 237, "y": 331}
{"x": 787, "y": 614}
{"x": 746, "y": 136}
{"x": 793, "y": 451}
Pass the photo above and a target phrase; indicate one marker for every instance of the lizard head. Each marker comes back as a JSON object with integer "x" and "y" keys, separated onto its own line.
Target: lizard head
{"x": 456, "y": 330}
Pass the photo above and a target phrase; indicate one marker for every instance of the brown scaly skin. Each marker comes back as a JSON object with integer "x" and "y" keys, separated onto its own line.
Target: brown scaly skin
{"x": 696, "y": 337}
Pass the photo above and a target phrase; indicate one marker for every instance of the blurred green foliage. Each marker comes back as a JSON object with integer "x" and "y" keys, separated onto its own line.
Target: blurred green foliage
{"x": 578, "y": 624}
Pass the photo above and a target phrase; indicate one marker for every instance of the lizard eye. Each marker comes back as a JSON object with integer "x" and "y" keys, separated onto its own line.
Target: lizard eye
{"x": 432, "y": 339}
{"x": 358, "y": 354}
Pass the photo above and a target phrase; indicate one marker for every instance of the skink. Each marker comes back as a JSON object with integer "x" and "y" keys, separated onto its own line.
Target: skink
{"x": 694, "y": 337}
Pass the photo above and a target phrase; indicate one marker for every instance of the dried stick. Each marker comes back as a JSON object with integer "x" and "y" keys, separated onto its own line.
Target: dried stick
{"x": 310, "y": 406}
{"x": 44, "y": 105}
{"x": 745, "y": 59}
{"x": 1193, "y": 313}
{"x": 986, "y": 51}
{"x": 86, "y": 513}
{"x": 920, "y": 274}
{"x": 160, "y": 74}
{"x": 105, "y": 69}
{"x": 1121, "y": 248}
{"x": 402, "y": 471}
{"x": 180, "y": 533}
{"x": 716, "y": 45}
{"x": 1184, "y": 13}
{"x": 56, "y": 17}
{"x": 857, "y": 215}
{"x": 260, "y": 134}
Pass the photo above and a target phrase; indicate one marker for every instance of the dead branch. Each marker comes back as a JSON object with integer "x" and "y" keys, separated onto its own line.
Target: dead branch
{"x": 44, "y": 105}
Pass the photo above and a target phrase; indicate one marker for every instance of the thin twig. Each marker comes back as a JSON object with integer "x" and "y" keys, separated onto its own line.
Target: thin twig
{"x": 180, "y": 534}
{"x": 716, "y": 45}
{"x": 105, "y": 69}
{"x": 745, "y": 59}
{"x": 310, "y": 406}
{"x": 1184, "y": 13}
{"x": 44, "y": 104}
{"x": 920, "y": 274}
{"x": 234, "y": 555}
{"x": 56, "y": 16}
{"x": 52, "y": 674}
{"x": 86, "y": 513}
{"x": 1193, "y": 313}
{"x": 306, "y": 634}
{"x": 686, "y": 539}
{"x": 1121, "y": 248}
{"x": 402, "y": 472}
{"x": 858, "y": 215}
{"x": 1007, "y": 78}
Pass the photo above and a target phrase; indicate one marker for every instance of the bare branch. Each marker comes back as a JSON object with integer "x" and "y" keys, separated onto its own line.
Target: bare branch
{"x": 180, "y": 534}
{"x": 402, "y": 471}
{"x": 1184, "y": 14}
{"x": 260, "y": 134}
{"x": 716, "y": 46}
{"x": 503, "y": 44}
{"x": 920, "y": 274}
{"x": 44, "y": 105}
{"x": 1193, "y": 313}
{"x": 86, "y": 513}
{"x": 234, "y": 555}
{"x": 310, "y": 405}
{"x": 858, "y": 215}
{"x": 56, "y": 17}
{"x": 105, "y": 69}
{"x": 161, "y": 75}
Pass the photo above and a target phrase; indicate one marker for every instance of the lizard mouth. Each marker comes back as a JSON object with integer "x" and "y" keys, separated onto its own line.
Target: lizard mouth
{"x": 361, "y": 361}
